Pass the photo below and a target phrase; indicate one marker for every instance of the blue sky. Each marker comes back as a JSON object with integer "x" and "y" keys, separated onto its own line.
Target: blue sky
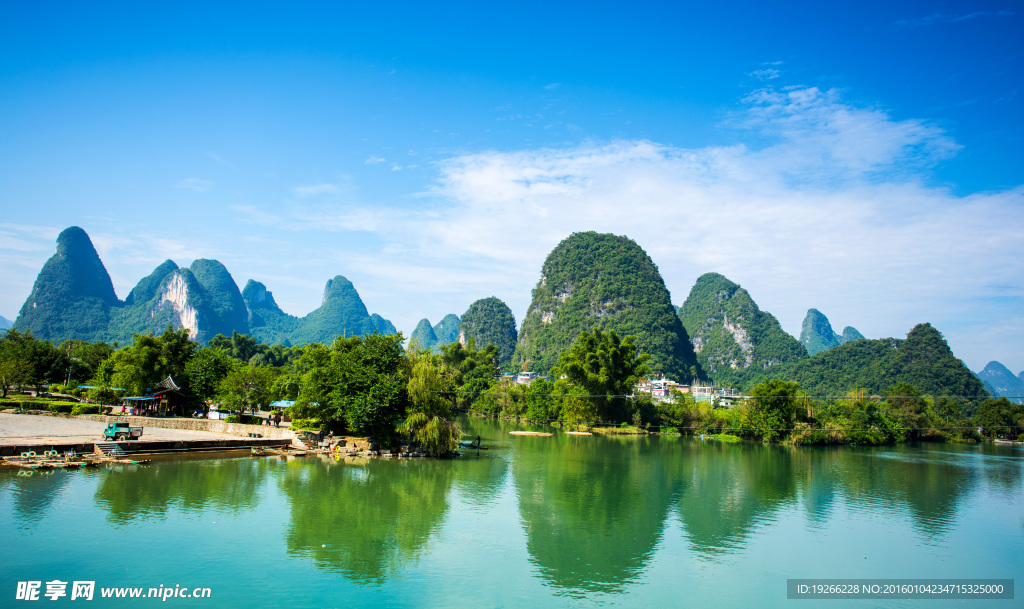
{"x": 861, "y": 159}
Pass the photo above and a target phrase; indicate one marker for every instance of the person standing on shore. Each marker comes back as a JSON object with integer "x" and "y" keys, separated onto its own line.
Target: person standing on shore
{"x": 277, "y": 419}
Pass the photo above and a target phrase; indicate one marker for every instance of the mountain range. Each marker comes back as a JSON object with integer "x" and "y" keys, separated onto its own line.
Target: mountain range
{"x": 588, "y": 280}
{"x": 73, "y": 297}
{"x": 999, "y": 381}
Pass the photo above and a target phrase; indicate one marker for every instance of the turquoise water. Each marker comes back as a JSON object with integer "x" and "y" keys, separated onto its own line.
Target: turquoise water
{"x": 562, "y": 521}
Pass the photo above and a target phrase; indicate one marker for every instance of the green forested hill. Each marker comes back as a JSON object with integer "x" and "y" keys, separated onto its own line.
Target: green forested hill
{"x": 1001, "y": 382}
{"x": 341, "y": 313}
{"x": 72, "y": 296}
{"x": 817, "y": 334}
{"x": 423, "y": 336}
{"x": 429, "y": 337}
{"x": 267, "y": 322}
{"x": 923, "y": 360}
{"x": 489, "y": 321}
{"x": 599, "y": 280}
{"x": 736, "y": 343}
{"x": 447, "y": 330}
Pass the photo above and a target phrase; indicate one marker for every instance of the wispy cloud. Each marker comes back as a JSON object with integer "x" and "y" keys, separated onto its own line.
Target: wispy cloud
{"x": 313, "y": 190}
{"x": 935, "y": 18}
{"x": 196, "y": 184}
{"x": 374, "y": 160}
{"x": 766, "y": 73}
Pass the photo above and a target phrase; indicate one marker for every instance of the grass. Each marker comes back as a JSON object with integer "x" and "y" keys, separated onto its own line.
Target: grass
{"x": 619, "y": 431}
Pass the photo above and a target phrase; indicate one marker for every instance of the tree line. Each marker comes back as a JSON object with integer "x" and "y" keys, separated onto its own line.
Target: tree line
{"x": 371, "y": 385}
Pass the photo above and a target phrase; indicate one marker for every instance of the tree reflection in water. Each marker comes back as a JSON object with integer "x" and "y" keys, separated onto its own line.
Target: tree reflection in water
{"x": 593, "y": 508}
{"x": 365, "y": 521}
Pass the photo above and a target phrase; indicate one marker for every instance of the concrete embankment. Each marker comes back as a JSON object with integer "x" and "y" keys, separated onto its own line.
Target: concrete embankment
{"x": 23, "y": 432}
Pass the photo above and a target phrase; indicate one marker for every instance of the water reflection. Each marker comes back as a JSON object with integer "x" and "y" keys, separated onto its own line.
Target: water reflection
{"x": 593, "y": 508}
{"x": 365, "y": 520}
{"x": 142, "y": 492}
{"x": 33, "y": 492}
{"x": 729, "y": 489}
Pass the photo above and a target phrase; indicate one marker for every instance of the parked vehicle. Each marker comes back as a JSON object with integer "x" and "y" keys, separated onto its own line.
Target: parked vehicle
{"x": 121, "y": 431}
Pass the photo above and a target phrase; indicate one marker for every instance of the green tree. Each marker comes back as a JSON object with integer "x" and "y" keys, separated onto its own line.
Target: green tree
{"x": 247, "y": 388}
{"x": 1001, "y": 418}
{"x": 205, "y": 371}
{"x": 907, "y": 408}
{"x": 13, "y": 371}
{"x": 577, "y": 408}
{"x": 475, "y": 369}
{"x": 358, "y": 384}
{"x": 431, "y": 388}
{"x": 773, "y": 408}
{"x": 607, "y": 368}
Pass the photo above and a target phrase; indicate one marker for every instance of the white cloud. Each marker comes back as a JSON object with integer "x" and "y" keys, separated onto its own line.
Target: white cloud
{"x": 374, "y": 160}
{"x": 833, "y": 212}
{"x": 766, "y": 73}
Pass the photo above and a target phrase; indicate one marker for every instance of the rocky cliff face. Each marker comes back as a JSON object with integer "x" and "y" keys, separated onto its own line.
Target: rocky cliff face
{"x": 599, "y": 280}
{"x": 736, "y": 342}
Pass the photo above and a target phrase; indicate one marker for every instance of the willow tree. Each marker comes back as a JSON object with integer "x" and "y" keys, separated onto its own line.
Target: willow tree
{"x": 429, "y": 422}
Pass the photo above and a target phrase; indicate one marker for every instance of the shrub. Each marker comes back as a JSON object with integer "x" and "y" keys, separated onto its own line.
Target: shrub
{"x": 60, "y": 407}
{"x": 310, "y": 424}
{"x": 85, "y": 409}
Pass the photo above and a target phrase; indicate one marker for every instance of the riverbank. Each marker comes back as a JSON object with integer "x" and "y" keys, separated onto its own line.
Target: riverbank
{"x": 24, "y": 432}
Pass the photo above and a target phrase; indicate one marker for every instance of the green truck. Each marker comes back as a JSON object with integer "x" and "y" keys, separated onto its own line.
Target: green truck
{"x": 121, "y": 431}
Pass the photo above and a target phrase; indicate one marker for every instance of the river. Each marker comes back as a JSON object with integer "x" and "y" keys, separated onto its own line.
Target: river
{"x": 561, "y": 521}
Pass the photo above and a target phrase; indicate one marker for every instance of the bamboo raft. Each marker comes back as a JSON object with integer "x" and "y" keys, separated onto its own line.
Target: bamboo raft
{"x": 49, "y": 459}
{"x": 541, "y": 434}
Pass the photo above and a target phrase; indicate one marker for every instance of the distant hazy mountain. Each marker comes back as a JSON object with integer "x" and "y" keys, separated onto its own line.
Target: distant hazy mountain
{"x": 817, "y": 335}
{"x": 73, "y": 297}
{"x": 341, "y": 313}
{"x": 447, "y": 330}
{"x": 423, "y": 337}
{"x": 431, "y": 338}
{"x": 1001, "y": 382}
{"x": 608, "y": 281}
{"x": 736, "y": 342}
{"x": 5, "y": 323}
